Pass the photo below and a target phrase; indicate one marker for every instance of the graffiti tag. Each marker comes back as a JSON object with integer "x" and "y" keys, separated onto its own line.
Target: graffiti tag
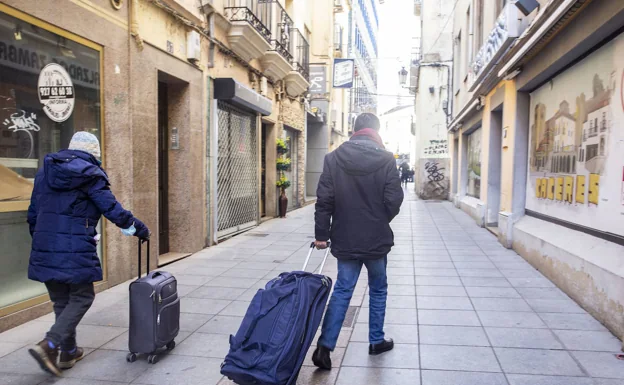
{"x": 434, "y": 173}
{"x": 20, "y": 121}
{"x": 436, "y": 147}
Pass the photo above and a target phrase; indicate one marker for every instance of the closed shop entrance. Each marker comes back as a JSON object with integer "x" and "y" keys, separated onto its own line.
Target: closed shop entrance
{"x": 237, "y": 171}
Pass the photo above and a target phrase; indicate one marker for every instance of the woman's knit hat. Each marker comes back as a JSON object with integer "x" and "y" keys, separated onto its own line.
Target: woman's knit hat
{"x": 87, "y": 142}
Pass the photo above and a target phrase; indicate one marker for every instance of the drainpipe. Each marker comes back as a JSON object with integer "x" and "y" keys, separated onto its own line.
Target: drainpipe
{"x": 134, "y": 23}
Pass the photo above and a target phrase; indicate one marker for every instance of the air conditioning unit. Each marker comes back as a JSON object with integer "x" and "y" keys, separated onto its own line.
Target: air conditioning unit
{"x": 193, "y": 46}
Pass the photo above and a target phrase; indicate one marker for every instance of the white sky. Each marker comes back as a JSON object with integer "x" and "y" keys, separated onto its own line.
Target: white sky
{"x": 397, "y": 26}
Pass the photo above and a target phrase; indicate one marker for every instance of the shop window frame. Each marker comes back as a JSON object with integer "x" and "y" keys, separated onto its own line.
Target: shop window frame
{"x": 16, "y": 206}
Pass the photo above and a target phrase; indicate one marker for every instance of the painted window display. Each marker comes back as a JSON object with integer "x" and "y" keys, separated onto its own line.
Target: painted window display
{"x": 474, "y": 164}
{"x": 49, "y": 89}
{"x": 576, "y": 167}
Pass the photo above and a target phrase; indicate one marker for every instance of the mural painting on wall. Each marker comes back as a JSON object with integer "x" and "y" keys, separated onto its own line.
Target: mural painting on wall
{"x": 576, "y": 167}
{"x": 474, "y": 164}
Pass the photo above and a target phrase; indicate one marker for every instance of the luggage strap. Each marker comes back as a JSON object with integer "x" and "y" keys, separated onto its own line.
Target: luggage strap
{"x": 307, "y": 260}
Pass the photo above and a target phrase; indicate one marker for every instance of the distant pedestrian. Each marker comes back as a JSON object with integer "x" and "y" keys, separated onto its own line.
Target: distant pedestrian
{"x": 358, "y": 195}
{"x": 405, "y": 173}
{"x": 70, "y": 194}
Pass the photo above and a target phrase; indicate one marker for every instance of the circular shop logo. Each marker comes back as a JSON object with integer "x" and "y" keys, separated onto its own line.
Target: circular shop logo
{"x": 56, "y": 92}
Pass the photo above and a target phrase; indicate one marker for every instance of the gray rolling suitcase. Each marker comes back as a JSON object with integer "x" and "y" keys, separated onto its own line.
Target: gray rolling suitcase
{"x": 154, "y": 313}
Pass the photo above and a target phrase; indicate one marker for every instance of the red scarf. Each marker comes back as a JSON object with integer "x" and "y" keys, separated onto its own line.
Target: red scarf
{"x": 371, "y": 134}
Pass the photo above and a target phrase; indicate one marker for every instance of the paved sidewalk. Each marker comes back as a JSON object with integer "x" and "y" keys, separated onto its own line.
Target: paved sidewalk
{"x": 462, "y": 310}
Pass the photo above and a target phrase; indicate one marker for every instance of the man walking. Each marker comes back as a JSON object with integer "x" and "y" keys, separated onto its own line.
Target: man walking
{"x": 358, "y": 195}
{"x": 70, "y": 195}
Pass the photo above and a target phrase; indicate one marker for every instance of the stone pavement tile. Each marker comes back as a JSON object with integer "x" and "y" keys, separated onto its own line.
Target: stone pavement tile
{"x": 10, "y": 347}
{"x": 402, "y": 264}
{"x": 30, "y": 332}
{"x": 555, "y": 306}
{"x": 525, "y": 273}
{"x": 393, "y": 316}
{"x": 474, "y": 265}
{"x": 423, "y": 271}
{"x": 485, "y": 282}
{"x": 227, "y": 293}
{"x": 403, "y": 356}
{"x": 511, "y": 263}
{"x": 511, "y": 319}
{"x": 194, "y": 280}
{"x": 531, "y": 282}
{"x": 535, "y": 361}
{"x": 205, "y": 270}
{"x": 245, "y": 273}
{"x": 343, "y": 337}
{"x": 248, "y": 294}
{"x": 453, "y": 335}
{"x": 469, "y": 258}
{"x": 184, "y": 290}
{"x": 401, "y": 334}
{"x": 107, "y": 365}
{"x": 434, "y": 265}
{"x": 523, "y": 379}
{"x": 466, "y": 252}
{"x": 310, "y": 375}
{"x": 492, "y": 292}
{"x": 242, "y": 283}
{"x": 589, "y": 340}
{"x": 203, "y": 305}
{"x": 571, "y": 321}
{"x": 121, "y": 343}
{"x": 21, "y": 362}
{"x": 501, "y": 304}
{"x": 483, "y": 273}
{"x": 378, "y": 376}
{"x": 396, "y": 250}
{"x": 438, "y": 281}
{"x": 466, "y": 358}
{"x": 189, "y": 322}
{"x": 523, "y": 338}
{"x": 438, "y": 377}
{"x": 182, "y": 370}
{"x": 441, "y": 291}
{"x": 444, "y": 303}
{"x": 204, "y": 345}
{"x": 448, "y": 317}
{"x": 336, "y": 356}
{"x": 255, "y": 265}
{"x": 603, "y": 365}
{"x": 236, "y": 308}
{"x": 401, "y": 280}
{"x": 91, "y": 336}
{"x": 221, "y": 324}
{"x": 542, "y": 293}
{"x": 398, "y": 271}
{"x": 431, "y": 258}
{"x": 395, "y": 302}
{"x": 36, "y": 379}
{"x": 401, "y": 290}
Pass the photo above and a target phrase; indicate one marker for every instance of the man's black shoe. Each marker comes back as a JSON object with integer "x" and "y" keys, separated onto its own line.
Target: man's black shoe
{"x": 381, "y": 347}
{"x": 321, "y": 358}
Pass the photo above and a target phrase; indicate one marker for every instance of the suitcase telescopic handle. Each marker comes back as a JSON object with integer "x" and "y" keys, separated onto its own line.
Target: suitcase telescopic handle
{"x": 148, "y": 255}
{"x": 307, "y": 260}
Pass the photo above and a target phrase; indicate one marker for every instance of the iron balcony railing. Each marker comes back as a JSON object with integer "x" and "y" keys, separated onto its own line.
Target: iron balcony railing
{"x": 300, "y": 49}
{"x": 255, "y": 12}
{"x": 281, "y": 27}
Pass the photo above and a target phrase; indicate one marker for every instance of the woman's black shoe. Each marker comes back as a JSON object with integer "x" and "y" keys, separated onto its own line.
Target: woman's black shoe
{"x": 381, "y": 347}
{"x": 321, "y": 358}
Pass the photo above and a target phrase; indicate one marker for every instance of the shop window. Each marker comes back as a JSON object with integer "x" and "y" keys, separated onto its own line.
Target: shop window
{"x": 49, "y": 89}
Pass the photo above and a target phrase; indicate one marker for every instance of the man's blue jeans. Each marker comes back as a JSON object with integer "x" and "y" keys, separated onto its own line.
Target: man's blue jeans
{"x": 348, "y": 274}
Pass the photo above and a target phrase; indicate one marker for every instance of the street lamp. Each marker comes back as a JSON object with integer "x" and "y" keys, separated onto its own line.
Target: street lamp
{"x": 403, "y": 76}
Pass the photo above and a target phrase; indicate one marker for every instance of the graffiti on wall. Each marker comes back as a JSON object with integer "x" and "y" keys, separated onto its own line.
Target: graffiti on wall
{"x": 434, "y": 184}
{"x": 436, "y": 147}
{"x": 575, "y": 172}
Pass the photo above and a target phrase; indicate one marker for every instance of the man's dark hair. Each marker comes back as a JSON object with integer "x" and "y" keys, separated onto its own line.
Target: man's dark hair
{"x": 366, "y": 120}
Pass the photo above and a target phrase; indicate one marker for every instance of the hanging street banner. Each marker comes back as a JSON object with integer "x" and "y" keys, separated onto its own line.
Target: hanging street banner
{"x": 343, "y": 73}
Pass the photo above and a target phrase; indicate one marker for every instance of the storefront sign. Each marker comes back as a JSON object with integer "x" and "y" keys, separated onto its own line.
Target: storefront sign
{"x": 318, "y": 80}
{"x": 343, "y": 73}
{"x": 56, "y": 92}
{"x": 576, "y": 143}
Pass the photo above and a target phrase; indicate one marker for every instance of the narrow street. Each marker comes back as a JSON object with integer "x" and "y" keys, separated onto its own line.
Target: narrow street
{"x": 462, "y": 310}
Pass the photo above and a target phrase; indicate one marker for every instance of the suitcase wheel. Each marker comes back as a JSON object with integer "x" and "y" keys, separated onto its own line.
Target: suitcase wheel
{"x": 171, "y": 345}
{"x": 131, "y": 357}
{"x": 152, "y": 359}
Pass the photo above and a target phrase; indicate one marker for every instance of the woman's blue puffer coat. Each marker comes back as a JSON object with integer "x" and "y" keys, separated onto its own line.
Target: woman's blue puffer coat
{"x": 70, "y": 195}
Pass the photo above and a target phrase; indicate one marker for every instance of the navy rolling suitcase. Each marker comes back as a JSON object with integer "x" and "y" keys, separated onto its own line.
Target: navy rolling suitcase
{"x": 277, "y": 331}
{"x": 154, "y": 313}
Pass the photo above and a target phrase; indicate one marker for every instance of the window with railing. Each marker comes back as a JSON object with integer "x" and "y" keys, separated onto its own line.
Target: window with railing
{"x": 255, "y": 12}
{"x": 300, "y": 48}
{"x": 281, "y": 28}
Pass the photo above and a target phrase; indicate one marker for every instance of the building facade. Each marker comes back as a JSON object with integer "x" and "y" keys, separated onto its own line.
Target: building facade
{"x": 364, "y": 48}
{"x": 188, "y": 98}
{"x": 534, "y": 137}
